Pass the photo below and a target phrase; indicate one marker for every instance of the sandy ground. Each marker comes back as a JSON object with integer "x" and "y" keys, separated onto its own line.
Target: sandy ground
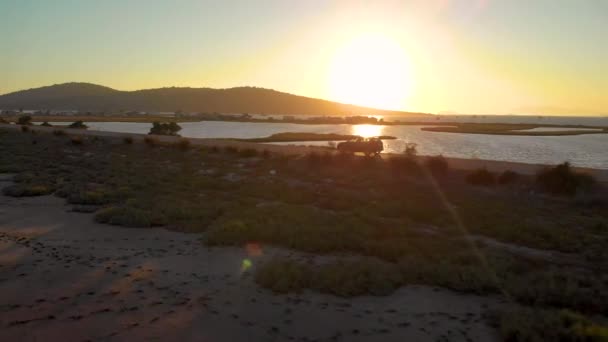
{"x": 455, "y": 163}
{"x": 65, "y": 278}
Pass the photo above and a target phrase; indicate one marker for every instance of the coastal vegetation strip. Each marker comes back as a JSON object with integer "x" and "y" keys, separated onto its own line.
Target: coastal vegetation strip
{"x": 295, "y": 137}
{"x": 517, "y": 129}
{"x": 387, "y": 222}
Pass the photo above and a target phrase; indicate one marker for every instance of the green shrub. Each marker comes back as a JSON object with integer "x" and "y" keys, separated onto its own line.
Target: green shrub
{"x": 91, "y": 197}
{"x": 77, "y": 140}
{"x": 437, "y": 165}
{"x": 23, "y": 190}
{"x": 231, "y": 149}
{"x": 403, "y": 164}
{"x": 481, "y": 177}
{"x": 78, "y": 125}
{"x": 562, "y": 180}
{"x": 126, "y": 216}
{"x": 283, "y": 276}
{"x": 183, "y": 144}
{"x": 340, "y": 278}
{"x": 507, "y": 177}
{"x": 164, "y": 128}
{"x": 24, "y": 120}
{"x": 46, "y": 124}
{"x": 150, "y": 141}
{"x": 537, "y": 325}
{"x": 410, "y": 149}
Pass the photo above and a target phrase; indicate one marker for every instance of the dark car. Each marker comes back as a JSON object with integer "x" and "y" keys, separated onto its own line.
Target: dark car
{"x": 370, "y": 146}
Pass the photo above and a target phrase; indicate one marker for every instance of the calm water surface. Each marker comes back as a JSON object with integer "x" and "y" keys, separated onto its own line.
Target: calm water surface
{"x": 589, "y": 150}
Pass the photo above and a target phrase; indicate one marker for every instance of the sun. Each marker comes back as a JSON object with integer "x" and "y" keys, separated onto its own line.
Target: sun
{"x": 372, "y": 71}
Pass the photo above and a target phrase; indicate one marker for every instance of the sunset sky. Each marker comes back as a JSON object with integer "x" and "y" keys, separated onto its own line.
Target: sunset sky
{"x": 439, "y": 56}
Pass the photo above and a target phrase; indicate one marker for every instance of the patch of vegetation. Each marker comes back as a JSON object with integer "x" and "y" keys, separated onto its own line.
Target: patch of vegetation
{"x": 508, "y": 177}
{"x": 59, "y": 132}
{"x": 248, "y": 153}
{"x": 481, "y": 177}
{"x": 25, "y": 129}
{"x": 150, "y": 141}
{"x": 24, "y": 120}
{"x": 183, "y": 144}
{"x": 27, "y": 190}
{"x": 128, "y": 140}
{"x": 437, "y": 165}
{"x": 127, "y": 216}
{"x": 344, "y": 279}
{"x": 562, "y": 180}
{"x": 532, "y": 325}
{"x": 300, "y": 136}
{"x": 46, "y": 124}
{"x": 512, "y": 129}
{"x": 78, "y": 125}
{"x": 165, "y": 128}
{"x": 76, "y": 140}
{"x": 382, "y": 230}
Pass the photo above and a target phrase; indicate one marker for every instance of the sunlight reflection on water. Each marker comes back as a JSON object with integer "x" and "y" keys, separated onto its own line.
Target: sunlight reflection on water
{"x": 367, "y": 131}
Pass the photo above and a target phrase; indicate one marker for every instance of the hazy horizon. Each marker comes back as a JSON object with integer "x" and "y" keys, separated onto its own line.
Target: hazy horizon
{"x": 477, "y": 57}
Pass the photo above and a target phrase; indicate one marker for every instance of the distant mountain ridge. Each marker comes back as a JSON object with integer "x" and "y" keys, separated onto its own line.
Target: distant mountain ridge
{"x": 252, "y": 100}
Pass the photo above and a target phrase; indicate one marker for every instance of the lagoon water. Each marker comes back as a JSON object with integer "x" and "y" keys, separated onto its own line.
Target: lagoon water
{"x": 589, "y": 150}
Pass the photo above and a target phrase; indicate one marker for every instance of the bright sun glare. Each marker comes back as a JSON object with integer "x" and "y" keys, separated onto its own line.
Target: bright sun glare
{"x": 373, "y": 71}
{"x": 367, "y": 131}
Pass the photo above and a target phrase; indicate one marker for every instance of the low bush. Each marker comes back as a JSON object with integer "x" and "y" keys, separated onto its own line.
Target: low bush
{"x": 150, "y": 141}
{"x": 127, "y": 140}
{"x": 76, "y": 140}
{"x": 410, "y": 149}
{"x": 562, "y": 180}
{"x": 59, "y": 132}
{"x": 126, "y": 216}
{"x": 24, "y": 120}
{"x": 231, "y": 149}
{"x": 25, "y": 129}
{"x": 164, "y": 128}
{"x": 183, "y": 144}
{"x": 91, "y": 197}
{"x": 508, "y": 177}
{"x": 481, "y": 177}
{"x": 3, "y": 121}
{"x": 25, "y": 190}
{"x": 403, "y": 164}
{"x": 248, "y": 153}
{"x": 78, "y": 125}
{"x": 437, "y": 165}
{"x": 532, "y": 325}
{"x": 340, "y": 278}
{"x": 46, "y": 124}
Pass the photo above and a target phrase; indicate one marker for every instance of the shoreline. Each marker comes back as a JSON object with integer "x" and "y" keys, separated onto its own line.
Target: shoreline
{"x": 464, "y": 164}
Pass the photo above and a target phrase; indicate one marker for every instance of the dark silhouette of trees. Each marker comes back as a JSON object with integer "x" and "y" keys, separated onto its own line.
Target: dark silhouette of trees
{"x": 164, "y": 128}
{"x": 24, "y": 120}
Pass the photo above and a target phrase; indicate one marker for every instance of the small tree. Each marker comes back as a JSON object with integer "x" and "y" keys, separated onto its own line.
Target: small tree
{"x": 164, "y": 128}
{"x": 78, "y": 124}
{"x": 24, "y": 120}
{"x": 410, "y": 149}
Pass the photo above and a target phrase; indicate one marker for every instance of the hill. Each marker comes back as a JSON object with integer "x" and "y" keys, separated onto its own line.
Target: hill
{"x": 92, "y": 97}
